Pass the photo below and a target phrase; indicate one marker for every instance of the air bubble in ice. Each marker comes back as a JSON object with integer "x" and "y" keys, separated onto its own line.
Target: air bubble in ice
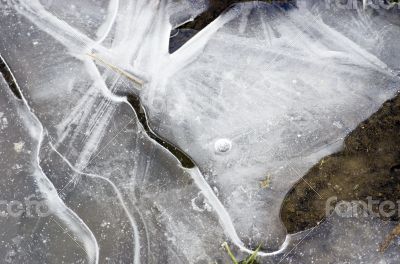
{"x": 223, "y": 145}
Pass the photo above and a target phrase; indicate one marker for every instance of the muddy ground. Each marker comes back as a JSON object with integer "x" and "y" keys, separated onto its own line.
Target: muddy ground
{"x": 368, "y": 166}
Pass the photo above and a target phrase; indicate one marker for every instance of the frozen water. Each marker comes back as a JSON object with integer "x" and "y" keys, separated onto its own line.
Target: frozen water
{"x": 277, "y": 84}
{"x": 261, "y": 92}
{"x": 33, "y": 216}
{"x": 130, "y": 192}
{"x": 342, "y": 240}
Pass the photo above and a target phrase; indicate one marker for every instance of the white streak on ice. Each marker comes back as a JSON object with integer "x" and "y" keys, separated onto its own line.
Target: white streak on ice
{"x": 191, "y": 49}
{"x": 106, "y": 27}
{"x": 79, "y": 44}
{"x": 56, "y": 205}
{"x": 69, "y": 36}
{"x": 224, "y": 218}
{"x": 120, "y": 198}
{"x": 140, "y": 43}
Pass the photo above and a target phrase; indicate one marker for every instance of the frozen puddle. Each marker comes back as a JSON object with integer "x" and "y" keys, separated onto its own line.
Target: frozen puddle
{"x": 34, "y": 218}
{"x": 229, "y": 122}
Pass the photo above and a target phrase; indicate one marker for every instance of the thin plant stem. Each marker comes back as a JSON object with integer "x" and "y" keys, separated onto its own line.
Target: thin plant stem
{"x": 131, "y": 77}
{"x": 230, "y": 253}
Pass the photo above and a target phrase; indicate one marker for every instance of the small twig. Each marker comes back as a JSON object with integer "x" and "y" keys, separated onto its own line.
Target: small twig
{"x": 386, "y": 243}
{"x": 131, "y": 77}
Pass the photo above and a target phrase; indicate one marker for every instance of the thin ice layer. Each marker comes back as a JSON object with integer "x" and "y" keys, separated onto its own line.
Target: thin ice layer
{"x": 262, "y": 77}
{"x": 33, "y": 217}
{"x": 130, "y": 192}
{"x": 284, "y": 88}
{"x": 343, "y": 240}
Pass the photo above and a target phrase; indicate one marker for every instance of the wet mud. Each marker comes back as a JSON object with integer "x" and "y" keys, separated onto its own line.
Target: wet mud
{"x": 368, "y": 167}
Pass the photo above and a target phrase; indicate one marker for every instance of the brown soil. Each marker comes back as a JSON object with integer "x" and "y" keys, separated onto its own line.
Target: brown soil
{"x": 368, "y": 165}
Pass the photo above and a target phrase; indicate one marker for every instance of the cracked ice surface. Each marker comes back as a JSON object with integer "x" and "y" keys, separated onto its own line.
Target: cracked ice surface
{"x": 129, "y": 191}
{"x": 285, "y": 88}
{"x": 32, "y": 198}
{"x": 260, "y": 92}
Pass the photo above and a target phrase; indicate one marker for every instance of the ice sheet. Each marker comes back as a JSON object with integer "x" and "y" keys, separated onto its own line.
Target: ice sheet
{"x": 261, "y": 93}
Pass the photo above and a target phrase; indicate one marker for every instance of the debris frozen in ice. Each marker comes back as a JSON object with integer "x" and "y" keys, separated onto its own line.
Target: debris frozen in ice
{"x": 19, "y": 146}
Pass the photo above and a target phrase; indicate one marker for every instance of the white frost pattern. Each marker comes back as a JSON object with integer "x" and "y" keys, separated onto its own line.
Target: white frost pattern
{"x": 45, "y": 186}
{"x": 80, "y": 45}
{"x": 264, "y": 88}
